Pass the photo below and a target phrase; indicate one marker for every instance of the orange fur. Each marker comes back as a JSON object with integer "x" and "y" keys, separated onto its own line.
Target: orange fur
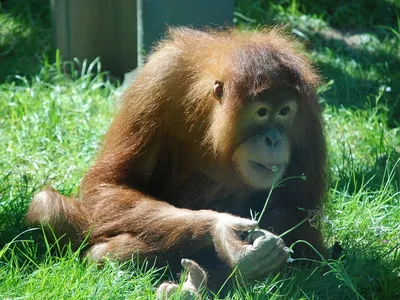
{"x": 165, "y": 168}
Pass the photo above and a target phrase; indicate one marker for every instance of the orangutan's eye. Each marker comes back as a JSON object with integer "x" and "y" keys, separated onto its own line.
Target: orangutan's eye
{"x": 262, "y": 112}
{"x": 284, "y": 111}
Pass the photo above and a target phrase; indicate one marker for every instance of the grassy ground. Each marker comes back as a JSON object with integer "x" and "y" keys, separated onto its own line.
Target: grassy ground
{"x": 51, "y": 126}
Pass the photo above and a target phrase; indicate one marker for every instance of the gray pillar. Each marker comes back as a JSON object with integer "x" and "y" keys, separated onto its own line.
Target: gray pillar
{"x": 87, "y": 29}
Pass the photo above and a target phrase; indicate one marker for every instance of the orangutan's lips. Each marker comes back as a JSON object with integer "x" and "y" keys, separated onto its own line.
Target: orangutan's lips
{"x": 264, "y": 168}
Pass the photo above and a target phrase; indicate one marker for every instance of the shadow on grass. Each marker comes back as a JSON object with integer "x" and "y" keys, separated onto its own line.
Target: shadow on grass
{"x": 360, "y": 274}
{"x": 359, "y": 73}
{"x": 25, "y": 37}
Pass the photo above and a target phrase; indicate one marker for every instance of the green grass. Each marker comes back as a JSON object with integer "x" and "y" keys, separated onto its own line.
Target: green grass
{"x": 51, "y": 126}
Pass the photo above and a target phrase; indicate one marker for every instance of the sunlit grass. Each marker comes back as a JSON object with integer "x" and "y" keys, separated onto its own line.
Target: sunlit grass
{"x": 51, "y": 125}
